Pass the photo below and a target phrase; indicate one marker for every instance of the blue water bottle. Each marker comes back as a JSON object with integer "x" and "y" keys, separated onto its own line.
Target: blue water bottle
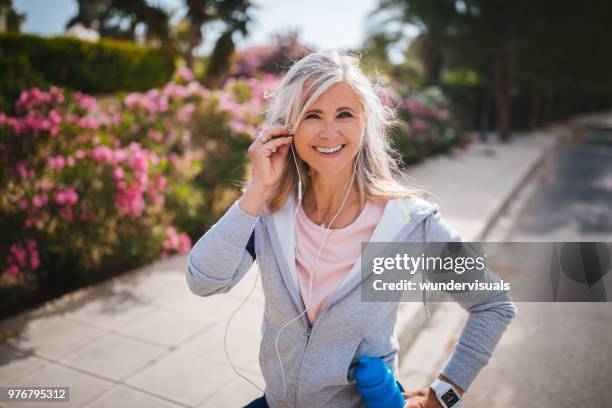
{"x": 377, "y": 385}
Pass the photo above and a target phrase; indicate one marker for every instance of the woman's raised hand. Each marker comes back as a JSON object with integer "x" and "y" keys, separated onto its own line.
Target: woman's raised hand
{"x": 268, "y": 154}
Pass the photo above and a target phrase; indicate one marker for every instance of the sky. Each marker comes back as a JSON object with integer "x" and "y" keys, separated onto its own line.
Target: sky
{"x": 324, "y": 24}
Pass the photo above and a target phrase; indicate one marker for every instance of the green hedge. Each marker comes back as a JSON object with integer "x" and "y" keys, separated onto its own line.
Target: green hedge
{"x": 103, "y": 67}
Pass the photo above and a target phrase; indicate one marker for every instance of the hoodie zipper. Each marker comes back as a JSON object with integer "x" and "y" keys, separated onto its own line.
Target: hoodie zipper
{"x": 297, "y": 377}
{"x": 309, "y": 333}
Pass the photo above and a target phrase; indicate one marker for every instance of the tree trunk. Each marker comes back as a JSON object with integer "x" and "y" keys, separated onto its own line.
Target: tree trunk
{"x": 195, "y": 39}
{"x": 502, "y": 98}
{"x": 504, "y": 72}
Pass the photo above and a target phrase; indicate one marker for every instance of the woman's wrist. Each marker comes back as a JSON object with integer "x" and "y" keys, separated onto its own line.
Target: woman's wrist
{"x": 254, "y": 198}
{"x": 444, "y": 378}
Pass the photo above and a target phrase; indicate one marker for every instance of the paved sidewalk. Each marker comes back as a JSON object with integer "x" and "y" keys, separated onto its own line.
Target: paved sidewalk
{"x": 142, "y": 339}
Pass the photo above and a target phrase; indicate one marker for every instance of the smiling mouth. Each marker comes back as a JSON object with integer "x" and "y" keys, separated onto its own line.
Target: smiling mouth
{"x": 329, "y": 151}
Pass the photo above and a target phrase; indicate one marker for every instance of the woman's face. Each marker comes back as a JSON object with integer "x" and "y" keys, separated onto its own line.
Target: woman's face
{"x": 329, "y": 135}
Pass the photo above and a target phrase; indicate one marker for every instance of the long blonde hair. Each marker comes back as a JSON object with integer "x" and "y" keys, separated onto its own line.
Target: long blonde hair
{"x": 301, "y": 86}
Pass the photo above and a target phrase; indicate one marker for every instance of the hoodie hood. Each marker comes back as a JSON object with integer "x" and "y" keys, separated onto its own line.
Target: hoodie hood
{"x": 399, "y": 218}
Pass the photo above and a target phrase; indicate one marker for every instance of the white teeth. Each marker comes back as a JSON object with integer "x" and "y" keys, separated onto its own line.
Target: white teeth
{"x": 328, "y": 149}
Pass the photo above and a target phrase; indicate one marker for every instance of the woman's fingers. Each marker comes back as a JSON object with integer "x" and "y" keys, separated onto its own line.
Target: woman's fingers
{"x": 412, "y": 394}
{"x": 271, "y": 133}
{"x": 267, "y": 153}
{"x": 269, "y": 147}
{"x": 273, "y": 144}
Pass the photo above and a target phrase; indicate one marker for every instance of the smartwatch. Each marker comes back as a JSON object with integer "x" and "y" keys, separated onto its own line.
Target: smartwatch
{"x": 446, "y": 394}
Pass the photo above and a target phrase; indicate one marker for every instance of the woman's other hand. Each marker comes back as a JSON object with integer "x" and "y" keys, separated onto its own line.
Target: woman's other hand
{"x": 424, "y": 398}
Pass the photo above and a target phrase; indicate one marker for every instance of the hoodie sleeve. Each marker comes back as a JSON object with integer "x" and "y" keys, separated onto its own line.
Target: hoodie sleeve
{"x": 490, "y": 314}
{"x": 220, "y": 258}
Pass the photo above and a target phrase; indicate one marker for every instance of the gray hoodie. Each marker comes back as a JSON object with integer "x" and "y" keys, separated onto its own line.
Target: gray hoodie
{"x": 319, "y": 361}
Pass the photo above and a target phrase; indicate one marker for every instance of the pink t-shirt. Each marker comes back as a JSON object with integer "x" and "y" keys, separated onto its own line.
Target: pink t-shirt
{"x": 337, "y": 257}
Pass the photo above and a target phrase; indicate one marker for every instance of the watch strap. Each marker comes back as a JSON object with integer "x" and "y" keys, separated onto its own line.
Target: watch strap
{"x": 446, "y": 394}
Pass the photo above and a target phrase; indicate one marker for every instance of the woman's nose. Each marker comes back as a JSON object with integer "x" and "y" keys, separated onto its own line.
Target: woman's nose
{"x": 329, "y": 130}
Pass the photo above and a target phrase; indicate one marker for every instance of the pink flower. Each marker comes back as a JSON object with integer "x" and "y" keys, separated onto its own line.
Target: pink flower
{"x": 32, "y": 245}
{"x": 23, "y": 203}
{"x": 237, "y": 126}
{"x": 22, "y": 170}
{"x": 118, "y": 173}
{"x": 56, "y": 163}
{"x": 131, "y": 99}
{"x": 60, "y": 162}
{"x": 33, "y": 252}
{"x": 172, "y": 239}
{"x": 60, "y": 198}
{"x": 57, "y": 94}
{"x": 418, "y": 125}
{"x": 129, "y": 200}
{"x": 102, "y": 154}
{"x": 142, "y": 178}
{"x": 71, "y": 196}
{"x": 85, "y": 102}
{"x": 185, "y": 74}
{"x": 185, "y": 112}
{"x": 70, "y": 161}
{"x": 120, "y": 155}
{"x": 184, "y": 243}
{"x": 161, "y": 183}
{"x": 19, "y": 253}
{"x": 414, "y": 106}
{"x": 155, "y": 135}
{"x": 39, "y": 200}
{"x": 79, "y": 154}
{"x": 34, "y": 261}
{"x": 46, "y": 185}
{"x": 139, "y": 161}
{"x": 176, "y": 242}
{"x": 54, "y": 121}
{"x": 88, "y": 123}
{"x": 13, "y": 270}
{"x": 157, "y": 198}
{"x": 439, "y": 114}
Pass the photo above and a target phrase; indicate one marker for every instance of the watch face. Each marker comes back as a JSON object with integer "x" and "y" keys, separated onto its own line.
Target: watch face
{"x": 450, "y": 398}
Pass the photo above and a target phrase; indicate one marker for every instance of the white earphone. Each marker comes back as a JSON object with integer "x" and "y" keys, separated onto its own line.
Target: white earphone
{"x": 300, "y": 195}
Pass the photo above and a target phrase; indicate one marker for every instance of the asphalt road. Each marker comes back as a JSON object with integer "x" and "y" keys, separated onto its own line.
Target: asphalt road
{"x": 558, "y": 354}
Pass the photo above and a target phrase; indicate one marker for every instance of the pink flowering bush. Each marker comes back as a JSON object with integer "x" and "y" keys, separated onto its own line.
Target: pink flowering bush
{"x": 89, "y": 191}
{"x": 426, "y": 124}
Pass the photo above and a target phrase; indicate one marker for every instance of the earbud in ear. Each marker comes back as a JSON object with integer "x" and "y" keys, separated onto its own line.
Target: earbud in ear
{"x": 298, "y": 171}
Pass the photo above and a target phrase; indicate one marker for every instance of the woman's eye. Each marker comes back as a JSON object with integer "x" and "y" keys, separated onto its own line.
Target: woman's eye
{"x": 311, "y": 116}
{"x": 343, "y": 113}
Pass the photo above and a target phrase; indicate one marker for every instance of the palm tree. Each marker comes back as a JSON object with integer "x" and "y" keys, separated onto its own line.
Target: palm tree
{"x": 234, "y": 14}
{"x": 110, "y": 16}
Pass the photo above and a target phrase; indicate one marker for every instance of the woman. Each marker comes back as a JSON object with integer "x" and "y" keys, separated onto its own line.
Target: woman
{"x": 303, "y": 216}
